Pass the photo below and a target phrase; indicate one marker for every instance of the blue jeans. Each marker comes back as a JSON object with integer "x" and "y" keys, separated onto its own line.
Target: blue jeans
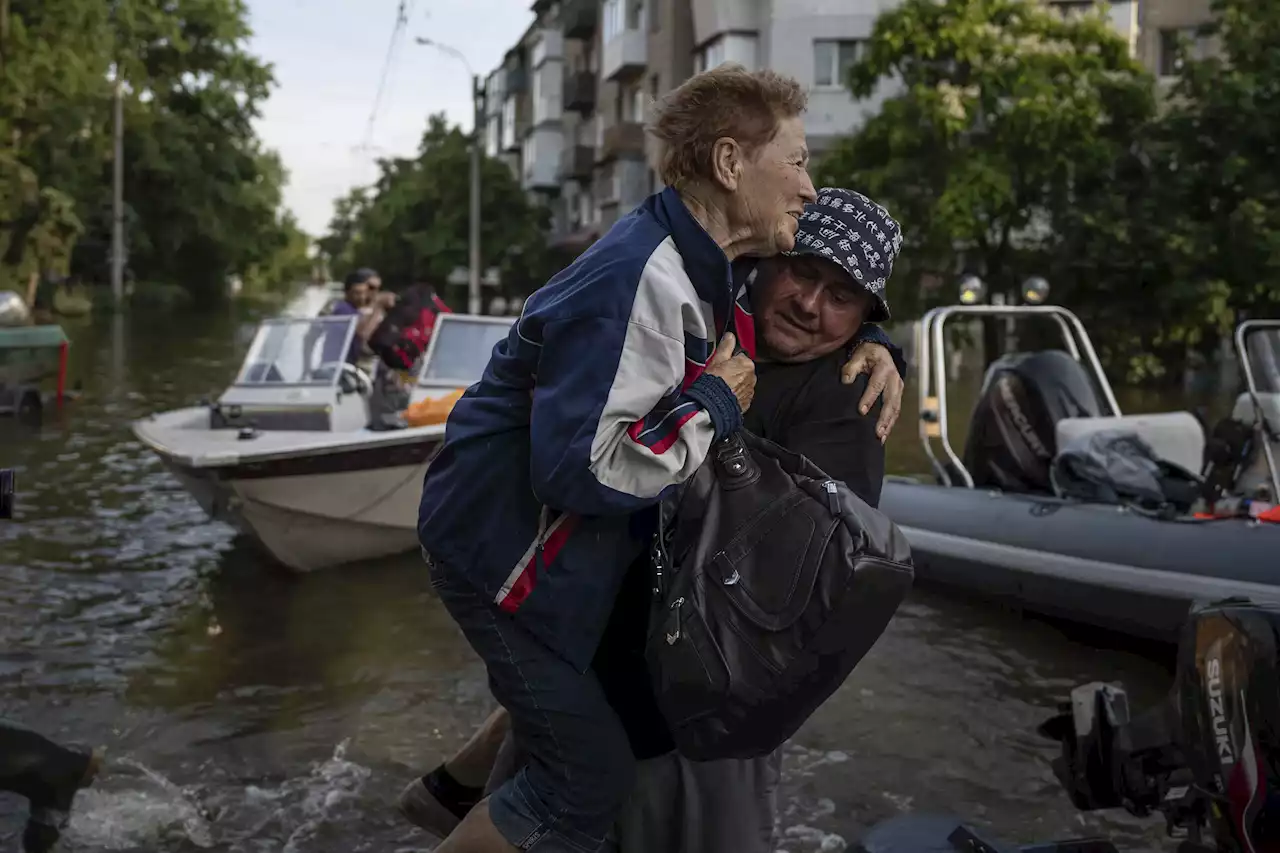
{"x": 579, "y": 768}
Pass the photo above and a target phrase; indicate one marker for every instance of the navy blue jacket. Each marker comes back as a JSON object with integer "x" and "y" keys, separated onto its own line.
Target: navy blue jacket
{"x": 593, "y": 406}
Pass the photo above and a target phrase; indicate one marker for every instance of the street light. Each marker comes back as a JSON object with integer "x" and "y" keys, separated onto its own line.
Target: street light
{"x": 477, "y": 97}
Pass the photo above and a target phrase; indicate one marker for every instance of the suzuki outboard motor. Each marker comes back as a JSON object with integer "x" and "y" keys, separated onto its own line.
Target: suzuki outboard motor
{"x": 1209, "y": 757}
{"x": 1012, "y": 440}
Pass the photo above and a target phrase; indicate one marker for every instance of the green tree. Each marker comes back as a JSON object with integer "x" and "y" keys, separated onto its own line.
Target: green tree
{"x": 203, "y": 199}
{"x": 413, "y": 223}
{"x": 1219, "y": 136}
{"x": 1009, "y": 118}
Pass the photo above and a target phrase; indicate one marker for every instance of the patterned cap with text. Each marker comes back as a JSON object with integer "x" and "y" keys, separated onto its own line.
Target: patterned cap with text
{"x": 856, "y": 234}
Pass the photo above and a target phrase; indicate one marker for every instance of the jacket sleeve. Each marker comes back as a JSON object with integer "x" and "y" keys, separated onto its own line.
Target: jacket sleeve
{"x": 612, "y": 425}
{"x": 870, "y": 333}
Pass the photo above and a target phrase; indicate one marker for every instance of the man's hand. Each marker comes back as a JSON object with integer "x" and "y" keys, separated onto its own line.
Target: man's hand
{"x": 738, "y": 371}
{"x": 385, "y": 299}
{"x": 876, "y": 360}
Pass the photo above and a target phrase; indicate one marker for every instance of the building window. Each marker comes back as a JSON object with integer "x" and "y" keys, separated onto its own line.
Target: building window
{"x": 635, "y": 15}
{"x": 637, "y": 104}
{"x": 1178, "y": 45}
{"x": 710, "y": 56}
{"x": 614, "y": 18}
{"x": 832, "y": 60}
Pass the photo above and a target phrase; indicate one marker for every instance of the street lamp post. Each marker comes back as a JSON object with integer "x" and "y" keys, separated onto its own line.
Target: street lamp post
{"x": 477, "y": 98}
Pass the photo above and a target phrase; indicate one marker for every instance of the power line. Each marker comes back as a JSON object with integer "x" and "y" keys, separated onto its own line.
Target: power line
{"x": 403, "y": 12}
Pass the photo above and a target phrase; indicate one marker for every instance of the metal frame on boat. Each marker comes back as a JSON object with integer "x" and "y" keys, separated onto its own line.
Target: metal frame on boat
{"x": 1269, "y": 432}
{"x": 931, "y": 345}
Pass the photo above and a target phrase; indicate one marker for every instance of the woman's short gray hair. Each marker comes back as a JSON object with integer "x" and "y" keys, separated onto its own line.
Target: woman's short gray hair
{"x": 727, "y": 101}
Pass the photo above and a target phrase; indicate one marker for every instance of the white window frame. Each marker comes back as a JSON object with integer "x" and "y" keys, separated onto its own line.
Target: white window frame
{"x": 613, "y": 19}
{"x": 837, "y": 64}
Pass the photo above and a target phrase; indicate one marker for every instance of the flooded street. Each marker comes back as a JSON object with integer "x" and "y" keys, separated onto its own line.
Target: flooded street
{"x": 247, "y": 709}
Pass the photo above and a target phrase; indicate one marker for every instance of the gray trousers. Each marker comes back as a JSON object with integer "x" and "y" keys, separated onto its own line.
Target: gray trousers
{"x": 682, "y": 806}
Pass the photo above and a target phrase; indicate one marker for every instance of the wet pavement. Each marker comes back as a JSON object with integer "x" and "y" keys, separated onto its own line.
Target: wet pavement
{"x": 247, "y": 709}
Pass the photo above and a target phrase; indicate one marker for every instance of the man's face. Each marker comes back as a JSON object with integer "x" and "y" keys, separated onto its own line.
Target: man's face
{"x": 375, "y": 286}
{"x": 806, "y": 307}
{"x": 358, "y": 294}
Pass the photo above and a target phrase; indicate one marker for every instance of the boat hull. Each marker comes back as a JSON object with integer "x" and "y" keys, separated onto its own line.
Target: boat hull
{"x": 310, "y": 508}
{"x": 1105, "y": 566}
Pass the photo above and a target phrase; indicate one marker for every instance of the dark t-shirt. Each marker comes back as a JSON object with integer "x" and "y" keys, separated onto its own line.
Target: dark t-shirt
{"x": 803, "y": 407}
{"x": 333, "y": 342}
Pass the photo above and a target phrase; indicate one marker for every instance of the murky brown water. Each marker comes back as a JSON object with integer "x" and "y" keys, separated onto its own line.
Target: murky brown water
{"x": 249, "y": 710}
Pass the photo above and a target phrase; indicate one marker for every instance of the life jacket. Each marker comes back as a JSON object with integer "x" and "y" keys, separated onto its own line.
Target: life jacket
{"x": 403, "y": 335}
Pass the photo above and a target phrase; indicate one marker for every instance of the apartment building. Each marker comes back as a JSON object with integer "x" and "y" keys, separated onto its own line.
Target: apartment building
{"x": 566, "y": 108}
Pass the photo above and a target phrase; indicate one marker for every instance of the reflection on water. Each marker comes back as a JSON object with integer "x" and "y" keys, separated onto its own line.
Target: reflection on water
{"x": 247, "y": 709}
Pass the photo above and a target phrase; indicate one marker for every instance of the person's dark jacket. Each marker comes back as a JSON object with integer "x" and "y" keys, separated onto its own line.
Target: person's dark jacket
{"x": 803, "y": 407}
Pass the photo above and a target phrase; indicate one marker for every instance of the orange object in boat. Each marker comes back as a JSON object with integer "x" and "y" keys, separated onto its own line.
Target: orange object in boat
{"x": 433, "y": 410}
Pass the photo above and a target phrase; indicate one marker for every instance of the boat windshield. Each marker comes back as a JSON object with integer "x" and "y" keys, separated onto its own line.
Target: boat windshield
{"x": 460, "y": 349}
{"x": 287, "y": 351}
{"x": 1263, "y": 347}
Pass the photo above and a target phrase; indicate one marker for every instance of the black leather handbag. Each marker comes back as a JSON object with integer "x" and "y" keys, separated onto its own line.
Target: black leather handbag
{"x": 771, "y": 580}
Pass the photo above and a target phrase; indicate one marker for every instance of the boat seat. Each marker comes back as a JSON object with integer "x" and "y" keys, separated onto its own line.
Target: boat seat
{"x": 1175, "y": 437}
{"x": 1255, "y": 475}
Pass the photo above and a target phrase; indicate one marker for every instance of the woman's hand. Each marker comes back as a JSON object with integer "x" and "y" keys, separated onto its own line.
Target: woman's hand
{"x": 877, "y": 361}
{"x": 737, "y": 371}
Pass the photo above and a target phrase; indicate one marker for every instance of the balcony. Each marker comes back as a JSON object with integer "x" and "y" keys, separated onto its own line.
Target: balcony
{"x": 547, "y": 47}
{"x": 580, "y": 92}
{"x": 579, "y": 18}
{"x": 622, "y": 141}
{"x": 576, "y": 163}
{"x": 625, "y": 55}
{"x": 517, "y": 82}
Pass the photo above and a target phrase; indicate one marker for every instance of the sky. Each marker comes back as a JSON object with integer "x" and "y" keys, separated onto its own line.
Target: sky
{"x": 328, "y": 57}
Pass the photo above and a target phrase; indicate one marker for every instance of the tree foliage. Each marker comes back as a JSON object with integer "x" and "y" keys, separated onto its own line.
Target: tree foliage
{"x": 413, "y": 223}
{"x": 202, "y": 198}
{"x": 1020, "y": 143}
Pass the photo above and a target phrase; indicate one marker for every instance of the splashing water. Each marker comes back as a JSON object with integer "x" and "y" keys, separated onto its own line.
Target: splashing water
{"x": 136, "y": 807}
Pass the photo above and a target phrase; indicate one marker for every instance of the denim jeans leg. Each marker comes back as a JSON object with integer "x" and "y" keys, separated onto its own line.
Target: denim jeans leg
{"x": 578, "y": 768}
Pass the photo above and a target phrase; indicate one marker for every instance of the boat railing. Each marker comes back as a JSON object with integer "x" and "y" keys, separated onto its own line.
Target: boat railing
{"x": 930, "y": 346}
{"x": 1269, "y": 433}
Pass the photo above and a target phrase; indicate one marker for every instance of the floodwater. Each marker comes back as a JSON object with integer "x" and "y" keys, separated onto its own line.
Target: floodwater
{"x": 246, "y": 709}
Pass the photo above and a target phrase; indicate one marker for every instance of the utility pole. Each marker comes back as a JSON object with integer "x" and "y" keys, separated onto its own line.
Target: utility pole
{"x": 477, "y": 147}
{"x": 117, "y": 195}
{"x": 477, "y": 142}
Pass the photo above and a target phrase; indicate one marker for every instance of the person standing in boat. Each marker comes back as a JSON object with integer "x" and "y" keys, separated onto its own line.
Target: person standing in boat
{"x": 361, "y": 297}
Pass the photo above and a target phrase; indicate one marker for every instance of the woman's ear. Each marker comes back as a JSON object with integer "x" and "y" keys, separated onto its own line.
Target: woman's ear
{"x": 726, "y": 163}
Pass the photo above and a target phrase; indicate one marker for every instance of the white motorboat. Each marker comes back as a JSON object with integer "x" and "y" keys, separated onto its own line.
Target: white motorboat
{"x": 287, "y": 454}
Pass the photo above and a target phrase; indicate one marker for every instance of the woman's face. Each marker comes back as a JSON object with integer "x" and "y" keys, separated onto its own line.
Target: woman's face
{"x": 773, "y": 189}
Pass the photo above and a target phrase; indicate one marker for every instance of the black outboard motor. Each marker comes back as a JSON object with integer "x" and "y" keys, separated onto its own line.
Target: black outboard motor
{"x": 1012, "y": 439}
{"x": 1209, "y": 757}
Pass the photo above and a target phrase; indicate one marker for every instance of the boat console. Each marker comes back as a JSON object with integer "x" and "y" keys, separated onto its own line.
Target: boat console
{"x": 295, "y": 377}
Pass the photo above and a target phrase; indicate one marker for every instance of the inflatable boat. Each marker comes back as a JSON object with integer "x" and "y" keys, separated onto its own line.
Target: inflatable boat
{"x": 1041, "y": 512}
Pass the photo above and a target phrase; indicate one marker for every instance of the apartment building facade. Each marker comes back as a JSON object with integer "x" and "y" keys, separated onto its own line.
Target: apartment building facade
{"x": 566, "y": 108}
